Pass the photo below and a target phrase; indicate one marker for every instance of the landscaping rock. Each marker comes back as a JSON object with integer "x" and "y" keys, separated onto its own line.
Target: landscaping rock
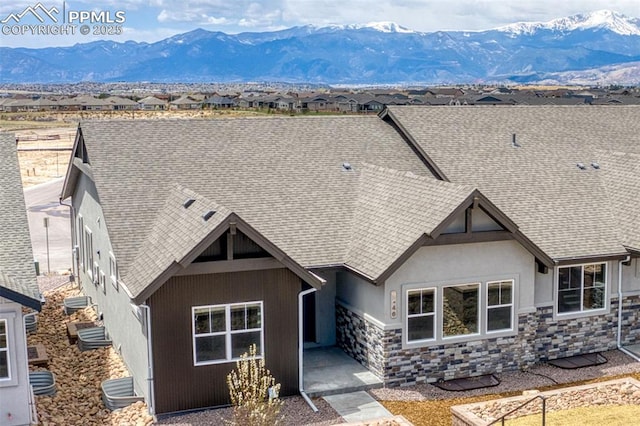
{"x": 78, "y": 374}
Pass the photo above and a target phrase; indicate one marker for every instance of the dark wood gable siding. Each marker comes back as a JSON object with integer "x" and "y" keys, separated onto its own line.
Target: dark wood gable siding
{"x": 179, "y": 385}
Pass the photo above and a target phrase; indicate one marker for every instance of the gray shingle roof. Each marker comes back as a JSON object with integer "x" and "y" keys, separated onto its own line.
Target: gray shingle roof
{"x": 176, "y": 230}
{"x": 566, "y": 211}
{"x": 284, "y": 176}
{"x": 393, "y": 210}
{"x": 17, "y": 273}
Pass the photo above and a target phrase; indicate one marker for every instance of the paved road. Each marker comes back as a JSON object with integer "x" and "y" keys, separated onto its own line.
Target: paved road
{"x": 43, "y": 201}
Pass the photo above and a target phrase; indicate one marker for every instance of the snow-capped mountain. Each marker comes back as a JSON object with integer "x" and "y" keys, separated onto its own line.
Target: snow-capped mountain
{"x": 596, "y": 44}
{"x": 602, "y": 19}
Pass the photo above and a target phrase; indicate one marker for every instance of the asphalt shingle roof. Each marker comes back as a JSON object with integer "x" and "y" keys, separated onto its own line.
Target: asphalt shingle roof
{"x": 393, "y": 210}
{"x": 17, "y": 272}
{"x": 566, "y": 211}
{"x": 284, "y": 176}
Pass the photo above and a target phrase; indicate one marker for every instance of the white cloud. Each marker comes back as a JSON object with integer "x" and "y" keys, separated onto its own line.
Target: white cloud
{"x": 154, "y": 19}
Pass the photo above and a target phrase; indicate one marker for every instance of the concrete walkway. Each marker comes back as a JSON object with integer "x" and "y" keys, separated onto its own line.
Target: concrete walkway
{"x": 330, "y": 371}
{"x": 357, "y": 407}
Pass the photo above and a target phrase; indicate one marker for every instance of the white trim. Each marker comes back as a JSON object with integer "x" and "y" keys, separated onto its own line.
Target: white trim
{"x": 7, "y": 350}
{"x": 81, "y": 242}
{"x": 103, "y": 282}
{"x": 113, "y": 270}
{"x": 482, "y": 333}
{"x": 502, "y": 305}
{"x": 227, "y": 333}
{"x": 9, "y": 318}
{"x": 582, "y": 312}
{"x": 433, "y": 314}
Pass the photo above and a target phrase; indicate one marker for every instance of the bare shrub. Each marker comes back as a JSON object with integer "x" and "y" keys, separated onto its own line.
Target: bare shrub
{"x": 254, "y": 392}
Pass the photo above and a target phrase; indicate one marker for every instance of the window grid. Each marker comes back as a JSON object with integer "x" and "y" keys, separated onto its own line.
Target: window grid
{"x": 5, "y": 366}
{"x": 503, "y": 303}
{"x": 473, "y": 302}
{"x": 230, "y": 329}
{"x": 421, "y": 313}
{"x": 581, "y": 288}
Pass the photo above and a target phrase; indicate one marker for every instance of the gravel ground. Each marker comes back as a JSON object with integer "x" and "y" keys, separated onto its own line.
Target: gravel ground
{"x": 295, "y": 410}
{"x": 538, "y": 376}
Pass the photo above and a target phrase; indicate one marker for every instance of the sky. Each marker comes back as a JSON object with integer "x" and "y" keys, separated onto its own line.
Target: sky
{"x": 154, "y": 20}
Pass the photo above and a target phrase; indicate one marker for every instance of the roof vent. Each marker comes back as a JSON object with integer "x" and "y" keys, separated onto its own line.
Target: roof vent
{"x": 514, "y": 142}
{"x": 208, "y": 215}
{"x": 188, "y": 202}
{"x": 581, "y": 166}
{"x": 346, "y": 166}
{"x": 595, "y": 165}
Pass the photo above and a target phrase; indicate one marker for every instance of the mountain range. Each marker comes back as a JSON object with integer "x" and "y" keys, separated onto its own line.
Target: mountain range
{"x": 599, "y": 47}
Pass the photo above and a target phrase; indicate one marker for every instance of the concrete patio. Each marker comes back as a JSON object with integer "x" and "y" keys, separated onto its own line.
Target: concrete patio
{"x": 330, "y": 371}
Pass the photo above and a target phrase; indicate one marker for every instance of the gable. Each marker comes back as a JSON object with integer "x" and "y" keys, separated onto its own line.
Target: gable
{"x": 480, "y": 221}
{"x": 193, "y": 235}
{"x": 234, "y": 244}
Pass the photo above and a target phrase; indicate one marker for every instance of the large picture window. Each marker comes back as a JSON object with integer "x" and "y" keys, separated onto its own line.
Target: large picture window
{"x": 582, "y": 288}
{"x": 4, "y": 350}
{"x": 221, "y": 333}
{"x": 460, "y": 310}
{"x": 499, "y": 305}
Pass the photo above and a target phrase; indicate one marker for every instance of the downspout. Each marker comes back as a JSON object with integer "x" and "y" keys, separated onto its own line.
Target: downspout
{"x": 150, "y": 379}
{"x": 619, "y": 339}
{"x": 301, "y": 349}
{"x": 75, "y": 267}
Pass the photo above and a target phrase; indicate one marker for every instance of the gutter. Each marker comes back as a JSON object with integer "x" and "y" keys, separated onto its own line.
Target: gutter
{"x": 150, "y": 379}
{"x": 619, "y": 338}
{"x": 301, "y": 349}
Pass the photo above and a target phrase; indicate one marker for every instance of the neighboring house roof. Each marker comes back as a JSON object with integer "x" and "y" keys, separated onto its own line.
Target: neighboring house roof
{"x": 17, "y": 271}
{"x": 118, "y": 100}
{"x": 151, "y": 100}
{"x": 565, "y": 210}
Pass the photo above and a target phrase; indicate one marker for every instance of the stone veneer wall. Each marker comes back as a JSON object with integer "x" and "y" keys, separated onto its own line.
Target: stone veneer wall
{"x": 539, "y": 338}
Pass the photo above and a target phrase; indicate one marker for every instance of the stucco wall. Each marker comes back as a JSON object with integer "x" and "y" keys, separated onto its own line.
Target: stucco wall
{"x": 14, "y": 393}
{"x": 326, "y": 311}
{"x": 126, "y": 330}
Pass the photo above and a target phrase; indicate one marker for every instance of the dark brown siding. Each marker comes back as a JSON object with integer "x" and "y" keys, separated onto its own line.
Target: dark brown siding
{"x": 179, "y": 385}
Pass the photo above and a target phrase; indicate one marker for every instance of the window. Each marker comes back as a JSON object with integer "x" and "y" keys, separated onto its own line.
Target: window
{"x": 581, "y": 288}
{"x": 221, "y": 333}
{"x": 4, "y": 350}
{"x": 440, "y": 313}
{"x": 96, "y": 273}
{"x": 499, "y": 305}
{"x": 103, "y": 282}
{"x": 81, "y": 241}
{"x": 421, "y": 314}
{"x": 460, "y": 310}
{"x": 113, "y": 271}
{"x": 88, "y": 252}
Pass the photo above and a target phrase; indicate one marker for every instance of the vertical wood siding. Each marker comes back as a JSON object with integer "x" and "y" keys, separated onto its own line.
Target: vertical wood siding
{"x": 179, "y": 385}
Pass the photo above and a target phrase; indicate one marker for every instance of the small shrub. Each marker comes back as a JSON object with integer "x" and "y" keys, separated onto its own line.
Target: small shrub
{"x": 254, "y": 392}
